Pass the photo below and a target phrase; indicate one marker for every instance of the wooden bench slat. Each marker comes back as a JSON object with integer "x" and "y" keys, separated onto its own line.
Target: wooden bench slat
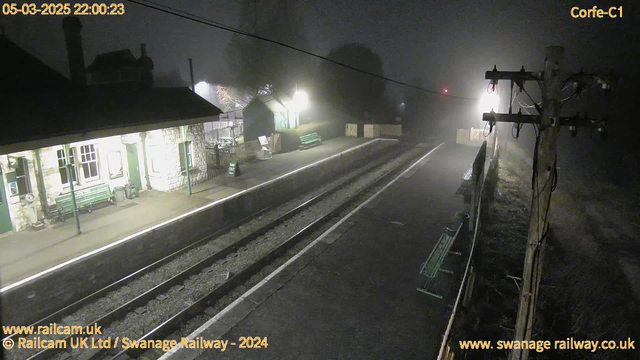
{"x": 311, "y": 138}
{"x": 84, "y": 197}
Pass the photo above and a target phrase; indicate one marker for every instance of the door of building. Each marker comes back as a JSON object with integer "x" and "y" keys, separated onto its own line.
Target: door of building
{"x": 5, "y": 217}
{"x": 134, "y": 167}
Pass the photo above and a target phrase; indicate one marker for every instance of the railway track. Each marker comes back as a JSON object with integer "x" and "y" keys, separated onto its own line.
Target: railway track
{"x": 217, "y": 282}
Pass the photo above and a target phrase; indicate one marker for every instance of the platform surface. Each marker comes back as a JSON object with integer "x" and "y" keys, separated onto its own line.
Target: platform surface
{"x": 353, "y": 295}
{"x": 28, "y": 252}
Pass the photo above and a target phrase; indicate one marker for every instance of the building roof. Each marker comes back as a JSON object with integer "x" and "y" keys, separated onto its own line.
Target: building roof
{"x": 276, "y": 103}
{"x": 113, "y": 60}
{"x": 21, "y": 71}
{"x": 36, "y": 120}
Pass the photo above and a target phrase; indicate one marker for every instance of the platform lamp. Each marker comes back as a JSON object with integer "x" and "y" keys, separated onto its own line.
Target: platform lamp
{"x": 185, "y": 130}
{"x": 300, "y": 102}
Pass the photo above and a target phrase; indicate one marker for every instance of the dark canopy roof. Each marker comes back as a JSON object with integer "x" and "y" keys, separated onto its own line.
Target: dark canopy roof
{"x": 30, "y": 117}
{"x": 40, "y": 107}
{"x": 21, "y": 71}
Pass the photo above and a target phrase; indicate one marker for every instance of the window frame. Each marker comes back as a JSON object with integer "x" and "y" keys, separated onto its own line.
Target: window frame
{"x": 154, "y": 151}
{"x": 189, "y": 155}
{"x": 24, "y": 165}
{"x": 72, "y": 159}
{"x": 86, "y": 159}
{"x": 121, "y": 173}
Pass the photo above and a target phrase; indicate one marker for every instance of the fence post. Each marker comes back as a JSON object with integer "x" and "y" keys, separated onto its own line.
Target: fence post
{"x": 468, "y": 291}
{"x": 216, "y": 151}
{"x": 477, "y": 178}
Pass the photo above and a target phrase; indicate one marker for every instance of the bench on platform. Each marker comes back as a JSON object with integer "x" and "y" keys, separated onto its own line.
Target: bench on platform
{"x": 310, "y": 140}
{"x": 85, "y": 199}
{"x": 431, "y": 269}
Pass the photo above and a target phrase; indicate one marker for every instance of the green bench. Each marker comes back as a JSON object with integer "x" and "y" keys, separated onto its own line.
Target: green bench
{"x": 431, "y": 268}
{"x": 309, "y": 140}
{"x": 85, "y": 198}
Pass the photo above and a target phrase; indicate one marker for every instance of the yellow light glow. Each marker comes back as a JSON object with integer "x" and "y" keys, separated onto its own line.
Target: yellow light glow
{"x": 489, "y": 101}
{"x": 300, "y": 100}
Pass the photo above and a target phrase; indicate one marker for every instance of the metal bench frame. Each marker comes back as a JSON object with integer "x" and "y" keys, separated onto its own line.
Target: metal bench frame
{"x": 309, "y": 140}
{"x": 85, "y": 199}
{"x": 431, "y": 268}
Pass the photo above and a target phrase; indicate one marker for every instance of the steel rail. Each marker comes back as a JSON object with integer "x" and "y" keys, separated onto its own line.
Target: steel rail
{"x": 150, "y": 294}
{"x": 199, "y": 305}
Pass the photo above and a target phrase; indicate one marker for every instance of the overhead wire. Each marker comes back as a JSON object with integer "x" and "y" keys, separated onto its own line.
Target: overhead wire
{"x": 208, "y": 22}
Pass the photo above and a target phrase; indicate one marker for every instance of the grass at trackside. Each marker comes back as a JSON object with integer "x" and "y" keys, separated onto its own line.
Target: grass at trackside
{"x": 500, "y": 253}
{"x": 585, "y": 294}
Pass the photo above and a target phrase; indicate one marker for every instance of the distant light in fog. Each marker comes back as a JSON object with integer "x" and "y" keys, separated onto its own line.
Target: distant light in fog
{"x": 489, "y": 101}
{"x": 446, "y": 91}
{"x": 300, "y": 100}
{"x": 202, "y": 89}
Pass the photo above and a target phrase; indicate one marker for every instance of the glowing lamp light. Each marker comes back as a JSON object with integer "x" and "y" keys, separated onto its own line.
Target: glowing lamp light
{"x": 202, "y": 89}
{"x": 489, "y": 102}
{"x": 446, "y": 91}
{"x": 300, "y": 100}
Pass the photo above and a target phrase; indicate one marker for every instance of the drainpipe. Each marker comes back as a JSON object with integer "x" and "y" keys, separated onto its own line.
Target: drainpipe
{"x": 41, "y": 189}
{"x": 73, "y": 194}
{"x": 143, "y": 136}
{"x": 193, "y": 84}
{"x": 185, "y": 130}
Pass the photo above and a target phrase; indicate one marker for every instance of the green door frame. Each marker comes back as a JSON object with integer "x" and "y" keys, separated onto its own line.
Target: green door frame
{"x": 134, "y": 165}
{"x": 5, "y": 216}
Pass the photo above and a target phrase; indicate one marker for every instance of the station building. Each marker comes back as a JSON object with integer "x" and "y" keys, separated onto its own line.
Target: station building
{"x": 108, "y": 121}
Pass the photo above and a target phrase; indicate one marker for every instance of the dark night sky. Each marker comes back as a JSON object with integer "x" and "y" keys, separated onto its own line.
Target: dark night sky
{"x": 445, "y": 43}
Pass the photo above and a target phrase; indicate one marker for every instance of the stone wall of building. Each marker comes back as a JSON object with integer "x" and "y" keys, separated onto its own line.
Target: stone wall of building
{"x": 163, "y": 163}
{"x": 163, "y": 149}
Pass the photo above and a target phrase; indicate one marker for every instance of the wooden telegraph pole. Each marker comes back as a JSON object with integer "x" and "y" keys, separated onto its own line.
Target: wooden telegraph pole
{"x": 543, "y": 178}
{"x": 549, "y": 121}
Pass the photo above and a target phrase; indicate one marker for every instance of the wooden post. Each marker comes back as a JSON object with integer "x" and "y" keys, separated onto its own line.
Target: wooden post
{"x": 477, "y": 178}
{"x": 216, "y": 150}
{"x": 544, "y": 171}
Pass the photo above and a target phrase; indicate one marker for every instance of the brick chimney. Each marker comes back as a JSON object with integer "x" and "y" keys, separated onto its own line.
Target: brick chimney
{"x": 72, "y": 27}
{"x": 146, "y": 65}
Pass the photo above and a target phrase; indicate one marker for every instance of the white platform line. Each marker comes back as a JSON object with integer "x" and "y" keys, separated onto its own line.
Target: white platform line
{"x": 230, "y": 307}
{"x": 125, "y": 239}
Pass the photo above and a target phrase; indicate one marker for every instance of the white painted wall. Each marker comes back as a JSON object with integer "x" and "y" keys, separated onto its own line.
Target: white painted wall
{"x": 163, "y": 162}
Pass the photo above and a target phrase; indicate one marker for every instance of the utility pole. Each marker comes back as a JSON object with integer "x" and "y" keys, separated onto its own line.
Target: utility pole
{"x": 551, "y": 82}
{"x": 543, "y": 172}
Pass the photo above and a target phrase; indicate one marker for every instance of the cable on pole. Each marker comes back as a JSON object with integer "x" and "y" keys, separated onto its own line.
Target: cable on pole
{"x": 204, "y": 21}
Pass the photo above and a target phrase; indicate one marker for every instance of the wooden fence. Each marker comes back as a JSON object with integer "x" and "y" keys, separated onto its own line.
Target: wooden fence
{"x": 486, "y": 160}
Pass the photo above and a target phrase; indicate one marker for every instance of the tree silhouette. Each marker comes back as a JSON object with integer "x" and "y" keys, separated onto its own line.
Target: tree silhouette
{"x": 258, "y": 66}
{"x": 170, "y": 79}
{"x": 351, "y": 91}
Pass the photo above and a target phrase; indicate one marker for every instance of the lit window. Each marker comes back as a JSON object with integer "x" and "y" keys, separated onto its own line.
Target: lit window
{"x": 156, "y": 158}
{"x": 89, "y": 162}
{"x": 63, "y": 169}
{"x": 181, "y": 151}
{"x": 22, "y": 176}
{"x": 114, "y": 160}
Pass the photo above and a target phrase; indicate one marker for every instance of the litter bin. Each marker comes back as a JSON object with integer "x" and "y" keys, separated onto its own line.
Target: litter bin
{"x": 119, "y": 193}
